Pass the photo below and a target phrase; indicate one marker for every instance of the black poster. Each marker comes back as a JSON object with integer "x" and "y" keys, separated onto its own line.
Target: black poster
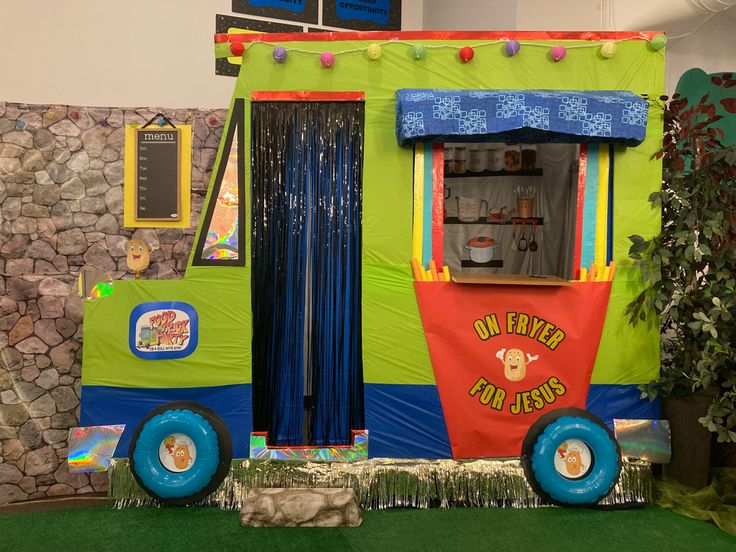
{"x": 304, "y": 11}
{"x": 225, "y": 22}
{"x": 362, "y": 15}
{"x": 157, "y": 174}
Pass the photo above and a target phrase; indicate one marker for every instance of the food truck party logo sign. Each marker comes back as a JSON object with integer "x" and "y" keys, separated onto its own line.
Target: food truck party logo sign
{"x": 163, "y": 330}
{"x": 503, "y": 356}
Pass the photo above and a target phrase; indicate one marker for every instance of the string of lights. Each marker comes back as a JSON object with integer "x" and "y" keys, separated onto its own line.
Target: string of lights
{"x": 418, "y": 51}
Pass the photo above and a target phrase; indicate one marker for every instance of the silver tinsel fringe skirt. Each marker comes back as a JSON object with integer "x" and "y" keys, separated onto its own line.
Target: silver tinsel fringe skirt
{"x": 390, "y": 483}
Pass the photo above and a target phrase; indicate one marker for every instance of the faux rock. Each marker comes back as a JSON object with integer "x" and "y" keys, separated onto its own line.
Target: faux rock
{"x": 46, "y": 330}
{"x": 52, "y": 286}
{"x": 61, "y": 207}
{"x": 33, "y": 161}
{"x": 23, "y": 328}
{"x": 30, "y": 435}
{"x": 65, "y": 398}
{"x": 50, "y": 307}
{"x": 301, "y": 507}
{"x": 94, "y": 182}
{"x": 32, "y": 345}
{"x": 48, "y": 379}
{"x": 41, "y": 249}
{"x": 58, "y": 173}
{"x": 11, "y": 493}
{"x": 27, "y": 391}
{"x": 43, "y": 406}
{"x": 73, "y": 188}
{"x": 10, "y": 474}
{"x": 13, "y": 414}
{"x": 72, "y": 242}
{"x": 62, "y": 356}
{"x": 41, "y": 461}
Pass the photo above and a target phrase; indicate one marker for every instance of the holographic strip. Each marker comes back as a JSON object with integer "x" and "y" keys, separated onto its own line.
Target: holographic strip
{"x": 259, "y": 450}
{"x": 91, "y": 448}
{"x": 645, "y": 439}
{"x": 101, "y": 289}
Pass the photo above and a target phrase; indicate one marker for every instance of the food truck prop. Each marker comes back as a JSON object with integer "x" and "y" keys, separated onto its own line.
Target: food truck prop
{"x": 301, "y": 321}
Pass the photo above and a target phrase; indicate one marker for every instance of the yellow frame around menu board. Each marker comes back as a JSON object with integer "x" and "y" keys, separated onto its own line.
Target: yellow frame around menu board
{"x": 185, "y": 177}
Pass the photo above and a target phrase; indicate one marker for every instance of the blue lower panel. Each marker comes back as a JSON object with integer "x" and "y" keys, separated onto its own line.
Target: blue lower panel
{"x": 620, "y": 401}
{"x": 405, "y": 421}
{"x": 122, "y": 405}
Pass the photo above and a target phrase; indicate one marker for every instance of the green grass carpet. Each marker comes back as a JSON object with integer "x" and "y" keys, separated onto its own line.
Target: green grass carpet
{"x": 210, "y": 529}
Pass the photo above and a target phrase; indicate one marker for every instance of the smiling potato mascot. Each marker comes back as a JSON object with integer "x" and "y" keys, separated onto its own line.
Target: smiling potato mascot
{"x": 138, "y": 256}
{"x": 515, "y": 363}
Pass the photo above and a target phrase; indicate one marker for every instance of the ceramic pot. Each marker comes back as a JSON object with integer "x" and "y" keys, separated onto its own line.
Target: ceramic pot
{"x": 481, "y": 248}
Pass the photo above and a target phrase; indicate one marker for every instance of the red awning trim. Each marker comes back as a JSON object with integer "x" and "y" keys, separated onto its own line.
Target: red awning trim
{"x": 305, "y": 96}
{"x": 435, "y": 35}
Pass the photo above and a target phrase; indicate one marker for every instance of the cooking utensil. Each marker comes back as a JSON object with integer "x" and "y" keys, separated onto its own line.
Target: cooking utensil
{"x": 533, "y": 244}
{"x": 513, "y": 235}
{"x": 522, "y": 245}
{"x": 497, "y": 215}
{"x": 525, "y": 200}
{"x": 481, "y": 248}
{"x": 469, "y": 209}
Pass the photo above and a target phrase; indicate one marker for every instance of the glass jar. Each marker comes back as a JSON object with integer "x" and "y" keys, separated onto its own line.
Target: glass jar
{"x": 449, "y": 154}
{"x": 476, "y": 160}
{"x": 528, "y": 158}
{"x": 494, "y": 158}
{"x": 461, "y": 160}
{"x": 512, "y": 158}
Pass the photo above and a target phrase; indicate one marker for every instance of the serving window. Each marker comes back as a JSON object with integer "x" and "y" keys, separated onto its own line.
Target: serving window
{"x": 512, "y": 185}
{"x": 510, "y": 208}
{"x": 532, "y": 210}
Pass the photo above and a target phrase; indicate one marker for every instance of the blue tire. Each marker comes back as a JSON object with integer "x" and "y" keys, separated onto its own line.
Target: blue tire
{"x": 591, "y": 468}
{"x": 204, "y": 453}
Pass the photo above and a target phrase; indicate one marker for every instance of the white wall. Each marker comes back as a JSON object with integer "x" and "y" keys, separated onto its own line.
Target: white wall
{"x": 160, "y": 53}
{"x": 118, "y": 53}
{"x": 469, "y": 15}
{"x": 711, "y": 46}
{"x": 111, "y": 53}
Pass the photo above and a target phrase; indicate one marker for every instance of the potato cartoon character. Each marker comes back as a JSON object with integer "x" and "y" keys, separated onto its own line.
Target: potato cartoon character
{"x": 573, "y": 462}
{"x": 182, "y": 458}
{"x": 138, "y": 256}
{"x": 515, "y": 363}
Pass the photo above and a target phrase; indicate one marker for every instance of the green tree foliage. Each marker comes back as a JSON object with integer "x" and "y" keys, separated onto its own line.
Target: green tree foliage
{"x": 689, "y": 268}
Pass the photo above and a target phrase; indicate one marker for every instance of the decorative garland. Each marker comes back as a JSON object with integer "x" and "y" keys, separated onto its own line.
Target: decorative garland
{"x": 418, "y": 51}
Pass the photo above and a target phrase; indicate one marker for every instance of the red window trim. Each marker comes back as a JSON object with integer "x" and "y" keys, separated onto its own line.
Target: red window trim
{"x": 306, "y": 96}
{"x": 434, "y": 35}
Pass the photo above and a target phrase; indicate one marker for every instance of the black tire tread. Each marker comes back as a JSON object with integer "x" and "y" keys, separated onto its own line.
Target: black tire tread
{"x": 536, "y": 429}
{"x": 224, "y": 441}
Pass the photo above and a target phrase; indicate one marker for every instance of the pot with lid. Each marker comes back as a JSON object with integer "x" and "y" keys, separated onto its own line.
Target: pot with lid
{"x": 481, "y": 248}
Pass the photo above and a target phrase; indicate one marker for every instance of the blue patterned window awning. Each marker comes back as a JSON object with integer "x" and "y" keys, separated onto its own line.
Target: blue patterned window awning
{"x": 529, "y": 116}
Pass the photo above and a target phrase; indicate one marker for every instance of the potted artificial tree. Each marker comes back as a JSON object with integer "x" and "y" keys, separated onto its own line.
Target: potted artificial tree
{"x": 689, "y": 272}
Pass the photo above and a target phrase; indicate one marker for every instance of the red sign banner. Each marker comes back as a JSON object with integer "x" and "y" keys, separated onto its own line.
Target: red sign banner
{"x": 504, "y": 355}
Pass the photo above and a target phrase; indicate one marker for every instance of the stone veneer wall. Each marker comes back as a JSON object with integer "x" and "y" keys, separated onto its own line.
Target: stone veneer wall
{"x": 61, "y": 209}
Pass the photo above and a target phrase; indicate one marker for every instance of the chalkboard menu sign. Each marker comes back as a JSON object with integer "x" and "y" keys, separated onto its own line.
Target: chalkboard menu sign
{"x": 157, "y": 176}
